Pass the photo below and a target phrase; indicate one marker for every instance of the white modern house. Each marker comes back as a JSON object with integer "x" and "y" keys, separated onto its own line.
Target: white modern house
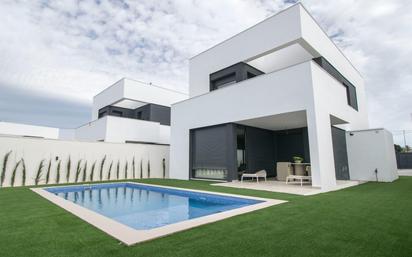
{"x": 130, "y": 111}
{"x": 279, "y": 89}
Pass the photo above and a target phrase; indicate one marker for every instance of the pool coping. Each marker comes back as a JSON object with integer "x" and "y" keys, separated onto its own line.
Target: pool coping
{"x": 130, "y": 236}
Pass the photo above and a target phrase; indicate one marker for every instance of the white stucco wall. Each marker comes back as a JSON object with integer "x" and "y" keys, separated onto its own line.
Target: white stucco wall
{"x": 108, "y": 96}
{"x": 127, "y": 89}
{"x": 151, "y": 93}
{"x": 164, "y": 134}
{"x": 320, "y": 44}
{"x": 302, "y": 87}
{"x": 67, "y": 134}
{"x": 92, "y": 131}
{"x": 257, "y": 97}
{"x": 329, "y": 98}
{"x": 19, "y": 129}
{"x": 33, "y": 150}
{"x": 268, "y": 35}
{"x": 291, "y": 26}
{"x": 369, "y": 150}
{"x": 119, "y": 130}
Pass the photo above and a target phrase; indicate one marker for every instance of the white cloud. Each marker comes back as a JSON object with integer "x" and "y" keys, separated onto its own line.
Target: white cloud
{"x": 76, "y": 48}
{"x": 73, "y": 49}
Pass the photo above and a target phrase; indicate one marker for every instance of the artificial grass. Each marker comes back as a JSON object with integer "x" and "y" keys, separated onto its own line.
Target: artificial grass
{"x": 374, "y": 219}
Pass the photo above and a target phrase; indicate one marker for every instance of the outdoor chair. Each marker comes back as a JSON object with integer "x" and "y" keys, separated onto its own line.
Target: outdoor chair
{"x": 257, "y": 175}
{"x": 301, "y": 178}
{"x": 283, "y": 169}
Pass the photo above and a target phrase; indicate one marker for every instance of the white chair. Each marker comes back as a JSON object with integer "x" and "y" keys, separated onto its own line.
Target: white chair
{"x": 257, "y": 175}
{"x": 300, "y": 178}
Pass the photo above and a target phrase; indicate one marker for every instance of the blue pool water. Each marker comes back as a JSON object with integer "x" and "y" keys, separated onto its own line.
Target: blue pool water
{"x": 146, "y": 207}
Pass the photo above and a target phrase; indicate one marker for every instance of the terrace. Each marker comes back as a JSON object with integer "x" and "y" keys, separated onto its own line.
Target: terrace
{"x": 282, "y": 187}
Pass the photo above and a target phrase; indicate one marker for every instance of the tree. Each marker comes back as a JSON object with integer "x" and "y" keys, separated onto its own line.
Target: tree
{"x": 398, "y": 148}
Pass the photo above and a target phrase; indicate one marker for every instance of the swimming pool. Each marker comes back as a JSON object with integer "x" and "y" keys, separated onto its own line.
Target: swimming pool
{"x": 135, "y": 212}
{"x": 147, "y": 207}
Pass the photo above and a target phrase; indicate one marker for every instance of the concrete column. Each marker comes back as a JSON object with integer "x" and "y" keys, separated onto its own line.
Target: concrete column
{"x": 321, "y": 150}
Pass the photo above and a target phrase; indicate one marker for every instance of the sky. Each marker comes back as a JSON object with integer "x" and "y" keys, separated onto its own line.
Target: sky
{"x": 56, "y": 55}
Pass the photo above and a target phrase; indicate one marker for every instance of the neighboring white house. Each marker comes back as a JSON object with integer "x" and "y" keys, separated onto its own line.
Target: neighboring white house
{"x": 279, "y": 89}
{"x": 131, "y": 121}
{"x": 128, "y": 111}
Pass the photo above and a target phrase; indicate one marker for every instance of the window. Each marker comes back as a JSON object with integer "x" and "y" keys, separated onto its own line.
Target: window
{"x": 347, "y": 93}
{"x": 209, "y": 152}
{"x": 241, "y": 148}
{"x": 353, "y": 101}
{"x": 139, "y": 115}
{"x": 350, "y": 89}
{"x": 102, "y": 114}
{"x": 223, "y": 81}
{"x": 232, "y": 74}
{"x": 251, "y": 75}
{"x": 117, "y": 113}
{"x": 351, "y": 95}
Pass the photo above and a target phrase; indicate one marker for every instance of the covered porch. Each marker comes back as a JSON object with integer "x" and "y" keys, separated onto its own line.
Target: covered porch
{"x": 226, "y": 151}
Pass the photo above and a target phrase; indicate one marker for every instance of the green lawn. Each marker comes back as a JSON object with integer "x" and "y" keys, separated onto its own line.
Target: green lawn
{"x": 374, "y": 219}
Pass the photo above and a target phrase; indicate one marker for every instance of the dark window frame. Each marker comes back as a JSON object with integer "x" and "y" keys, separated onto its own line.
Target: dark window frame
{"x": 117, "y": 113}
{"x": 352, "y": 99}
{"x": 233, "y": 74}
{"x": 102, "y": 114}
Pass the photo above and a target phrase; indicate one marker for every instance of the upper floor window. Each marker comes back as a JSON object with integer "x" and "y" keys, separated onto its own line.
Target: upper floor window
{"x": 223, "y": 81}
{"x": 350, "y": 88}
{"x": 232, "y": 74}
{"x": 102, "y": 114}
{"x": 117, "y": 113}
{"x": 148, "y": 112}
{"x": 351, "y": 95}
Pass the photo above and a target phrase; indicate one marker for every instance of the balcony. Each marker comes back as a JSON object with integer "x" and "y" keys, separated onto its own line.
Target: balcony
{"x": 124, "y": 130}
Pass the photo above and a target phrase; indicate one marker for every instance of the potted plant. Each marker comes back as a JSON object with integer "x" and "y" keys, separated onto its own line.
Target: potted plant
{"x": 297, "y": 159}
